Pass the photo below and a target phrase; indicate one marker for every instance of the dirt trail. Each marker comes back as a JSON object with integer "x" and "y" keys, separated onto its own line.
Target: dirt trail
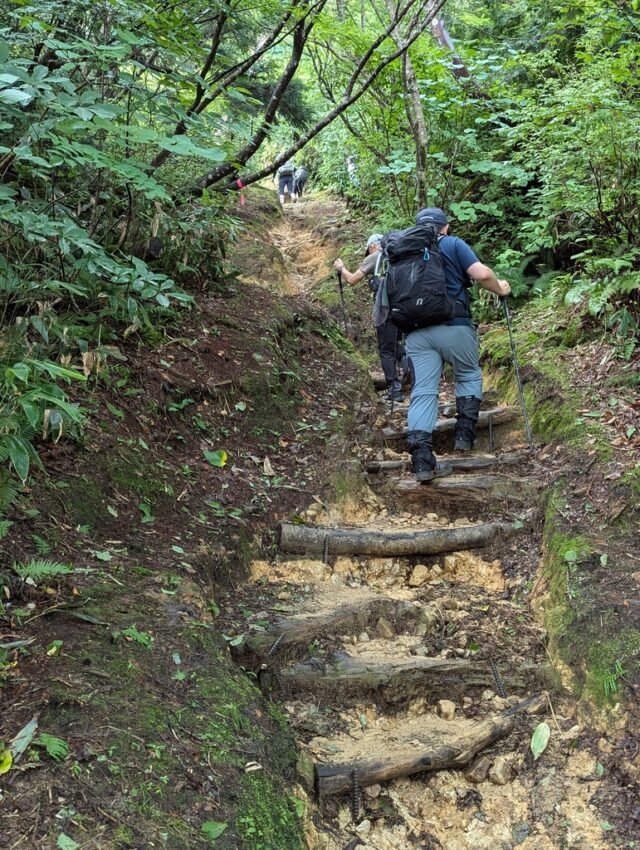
{"x": 406, "y": 677}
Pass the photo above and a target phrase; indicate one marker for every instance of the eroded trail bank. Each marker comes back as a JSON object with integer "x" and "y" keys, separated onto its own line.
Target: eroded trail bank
{"x": 139, "y": 731}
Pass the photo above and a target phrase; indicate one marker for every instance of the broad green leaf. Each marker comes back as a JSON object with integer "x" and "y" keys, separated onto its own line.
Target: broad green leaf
{"x": 56, "y": 748}
{"x": 56, "y": 371}
{"x": 212, "y": 829}
{"x": 6, "y": 760}
{"x": 14, "y": 96}
{"x": 217, "y": 458}
{"x": 66, "y": 843}
{"x": 24, "y": 737}
{"x": 53, "y": 649}
{"x": 18, "y": 455}
{"x": 540, "y": 739}
{"x": 18, "y": 370}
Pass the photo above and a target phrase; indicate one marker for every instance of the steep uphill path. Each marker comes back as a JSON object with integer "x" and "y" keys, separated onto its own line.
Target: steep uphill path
{"x": 402, "y": 641}
{"x": 200, "y": 444}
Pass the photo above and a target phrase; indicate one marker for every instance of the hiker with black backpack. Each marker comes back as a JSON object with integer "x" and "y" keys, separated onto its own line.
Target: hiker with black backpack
{"x": 390, "y": 347}
{"x": 285, "y": 175}
{"x": 426, "y": 295}
{"x": 299, "y": 179}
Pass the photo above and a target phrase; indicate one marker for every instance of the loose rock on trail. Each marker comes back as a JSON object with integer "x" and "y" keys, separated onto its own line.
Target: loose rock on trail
{"x": 404, "y": 649}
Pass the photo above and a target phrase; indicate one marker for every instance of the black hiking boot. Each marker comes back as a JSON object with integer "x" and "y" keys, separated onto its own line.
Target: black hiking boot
{"x": 423, "y": 461}
{"x": 406, "y": 379}
{"x": 467, "y": 412}
{"x": 394, "y": 393}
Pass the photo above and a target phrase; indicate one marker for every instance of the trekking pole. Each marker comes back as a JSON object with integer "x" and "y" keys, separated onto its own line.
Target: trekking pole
{"x": 514, "y": 357}
{"x": 344, "y": 310}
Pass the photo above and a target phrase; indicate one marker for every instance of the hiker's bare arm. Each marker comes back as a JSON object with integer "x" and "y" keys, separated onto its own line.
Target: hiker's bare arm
{"x": 350, "y": 277}
{"x": 487, "y": 279}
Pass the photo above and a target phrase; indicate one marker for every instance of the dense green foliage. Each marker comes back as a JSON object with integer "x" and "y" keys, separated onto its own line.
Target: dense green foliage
{"x": 534, "y": 153}
{"x": 123, "y": 126}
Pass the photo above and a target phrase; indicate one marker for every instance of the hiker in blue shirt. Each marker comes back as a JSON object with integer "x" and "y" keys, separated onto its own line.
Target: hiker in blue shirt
{"x": 454, "y": 342}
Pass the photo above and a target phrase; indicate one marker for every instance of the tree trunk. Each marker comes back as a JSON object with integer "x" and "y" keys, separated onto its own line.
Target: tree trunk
{"x": 419, "y": 130}
{"x": 415, "y": 114}
{"x": 339, "y": 541}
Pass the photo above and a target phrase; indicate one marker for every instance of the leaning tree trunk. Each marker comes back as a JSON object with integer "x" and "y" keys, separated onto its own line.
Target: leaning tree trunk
{"x": 415, "y": 113}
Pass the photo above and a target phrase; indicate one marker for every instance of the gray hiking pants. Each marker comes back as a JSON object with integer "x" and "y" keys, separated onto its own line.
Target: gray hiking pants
{"x": 428, "y": 350}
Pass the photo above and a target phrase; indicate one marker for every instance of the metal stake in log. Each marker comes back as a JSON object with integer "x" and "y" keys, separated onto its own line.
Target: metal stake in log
{"x": 514, "y": 357}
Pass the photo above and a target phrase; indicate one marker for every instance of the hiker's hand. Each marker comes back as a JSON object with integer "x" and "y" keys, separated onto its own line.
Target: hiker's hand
{"x": 339, "y": 265}
{"x": 505, "y": 289}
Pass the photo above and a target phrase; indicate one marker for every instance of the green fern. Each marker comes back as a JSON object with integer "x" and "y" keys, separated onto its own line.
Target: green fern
{"x": 39, "y": 570}
{"x": 8, "y": 490}
{"x": 5, "y": 525}
{"x": 55, "y": 747}
{"x": 43, "y": 546}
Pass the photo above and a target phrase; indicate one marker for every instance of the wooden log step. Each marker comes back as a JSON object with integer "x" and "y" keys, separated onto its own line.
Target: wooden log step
{"x": 494, "y": 416}
{"x": 291, "y": 636}
{"x": 422, "y": 743}
{"x": 394, "y": 681}
{"x": 458, "y": 462}
{"x": 463, "y": 489}
{"x": 361, "y": 541}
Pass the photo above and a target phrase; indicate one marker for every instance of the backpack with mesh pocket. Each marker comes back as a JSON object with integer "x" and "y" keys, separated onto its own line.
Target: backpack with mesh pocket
{"x": 415, "y": 281}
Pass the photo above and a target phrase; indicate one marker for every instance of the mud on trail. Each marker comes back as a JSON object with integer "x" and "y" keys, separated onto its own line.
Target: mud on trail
{"x": 393, "y": 630}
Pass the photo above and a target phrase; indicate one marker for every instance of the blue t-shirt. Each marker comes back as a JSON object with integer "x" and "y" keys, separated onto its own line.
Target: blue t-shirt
{"x": 457, "y": 256}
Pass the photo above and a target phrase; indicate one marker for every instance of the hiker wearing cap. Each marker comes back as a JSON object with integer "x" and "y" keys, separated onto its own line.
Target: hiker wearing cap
{"x": 455, "y": 342}
{"x": 390, "y": 347}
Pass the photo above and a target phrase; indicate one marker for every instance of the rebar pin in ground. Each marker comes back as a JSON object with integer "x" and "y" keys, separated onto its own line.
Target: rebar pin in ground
{"x": 325, "y": 550}
{"x": 275, "y": 644}
{"x": 355, "y": 796}
{"x": 490, "y": 423}
{"x": 498, "y": 678}
{"x": 277, "y": 678}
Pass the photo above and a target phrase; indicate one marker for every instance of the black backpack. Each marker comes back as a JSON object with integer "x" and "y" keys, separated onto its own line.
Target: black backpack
{"x": 416, "y": 285}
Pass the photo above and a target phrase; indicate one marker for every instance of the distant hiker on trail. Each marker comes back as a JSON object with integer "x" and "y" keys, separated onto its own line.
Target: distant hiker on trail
{"x": 390, "y": 347}
{"x": 299, "y": 179}
{"x": 438, "y": 268}
{"x": 285, "y": 175}
{"x": 352, "y": 171}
